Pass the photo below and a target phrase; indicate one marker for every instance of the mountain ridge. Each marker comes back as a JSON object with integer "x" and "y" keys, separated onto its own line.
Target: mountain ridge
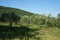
{"x": 4, "y": 9}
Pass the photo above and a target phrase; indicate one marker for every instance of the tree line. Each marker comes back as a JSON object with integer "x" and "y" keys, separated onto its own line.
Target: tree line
{"x": 33, "y": 19}
{"x": 42, "y": 20}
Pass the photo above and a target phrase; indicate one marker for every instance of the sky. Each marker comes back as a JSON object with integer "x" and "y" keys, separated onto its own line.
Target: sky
{"x": 35, "y": 6}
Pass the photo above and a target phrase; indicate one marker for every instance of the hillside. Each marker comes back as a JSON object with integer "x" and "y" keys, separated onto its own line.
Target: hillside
{"x": 29, "y": 27}
{"x": 4, "y": 9}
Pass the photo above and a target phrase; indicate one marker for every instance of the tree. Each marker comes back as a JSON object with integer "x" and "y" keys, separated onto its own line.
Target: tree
{"x": 58, "y": 17}
{"x": 49, "y": 20}
{"x": 58, "y": 20}
{"x": 10, "y": 17}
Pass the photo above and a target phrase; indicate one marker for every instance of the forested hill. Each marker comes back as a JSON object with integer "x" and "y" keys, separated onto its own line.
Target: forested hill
{"x": 4, "y": 9}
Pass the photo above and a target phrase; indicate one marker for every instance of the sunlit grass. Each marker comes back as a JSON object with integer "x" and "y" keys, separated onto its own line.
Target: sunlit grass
{"x": 45, "y": 33}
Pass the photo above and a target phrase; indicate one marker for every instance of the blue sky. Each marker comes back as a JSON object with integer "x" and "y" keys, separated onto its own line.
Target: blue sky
{"x": 36, "y": 6}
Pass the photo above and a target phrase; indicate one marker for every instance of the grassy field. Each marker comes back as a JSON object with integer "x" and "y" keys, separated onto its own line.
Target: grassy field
{"x": 45, "y": 33}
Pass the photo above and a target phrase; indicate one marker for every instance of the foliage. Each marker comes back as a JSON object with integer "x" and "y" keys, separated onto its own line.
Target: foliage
{"x": 11, "y": 18}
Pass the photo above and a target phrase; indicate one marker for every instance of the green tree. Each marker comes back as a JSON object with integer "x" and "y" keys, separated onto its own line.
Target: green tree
{"x": 10, "y": 17}
{"x": 58, "y": 20}
{"x": 49, "y": 20}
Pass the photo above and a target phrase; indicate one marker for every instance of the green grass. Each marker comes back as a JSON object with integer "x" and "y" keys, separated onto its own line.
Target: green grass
{"x": 50, "y": 33}
{"x": 45, "y": 33}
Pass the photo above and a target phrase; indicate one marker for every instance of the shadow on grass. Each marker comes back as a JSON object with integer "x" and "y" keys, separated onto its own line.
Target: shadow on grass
{"x": 7, "y": 32}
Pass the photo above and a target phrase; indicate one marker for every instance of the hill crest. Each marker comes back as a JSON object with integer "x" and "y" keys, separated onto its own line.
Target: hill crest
{"x": 4, "y": 9}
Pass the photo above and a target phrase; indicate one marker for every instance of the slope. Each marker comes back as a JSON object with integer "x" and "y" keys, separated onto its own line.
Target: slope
{"x": 4, "y": 9}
